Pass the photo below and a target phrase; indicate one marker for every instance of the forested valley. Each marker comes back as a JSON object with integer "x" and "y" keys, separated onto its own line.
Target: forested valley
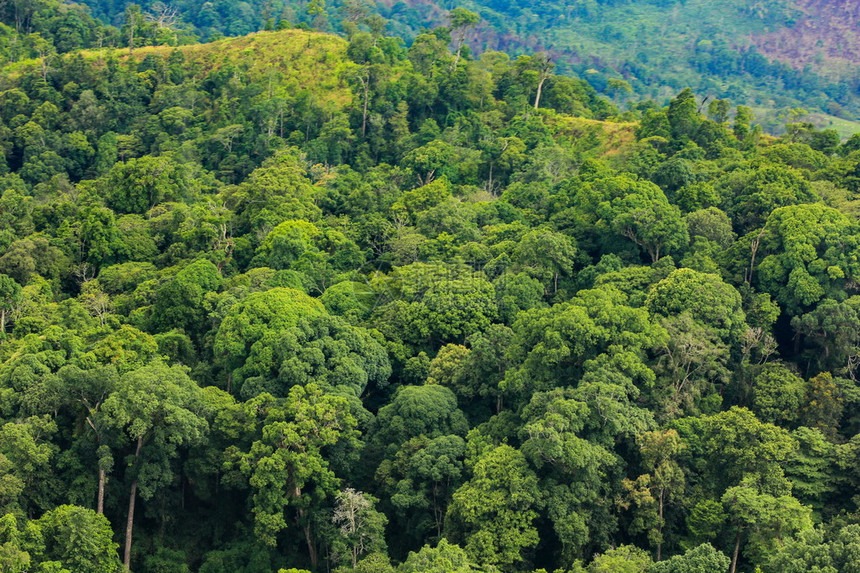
{"x": 298, "y": 302}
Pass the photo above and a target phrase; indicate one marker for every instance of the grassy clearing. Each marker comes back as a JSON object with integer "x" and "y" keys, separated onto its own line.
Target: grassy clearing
{"x": 611, "y": 138}
{"x": 845, "y": 127}
{"x": 773, "y": 121}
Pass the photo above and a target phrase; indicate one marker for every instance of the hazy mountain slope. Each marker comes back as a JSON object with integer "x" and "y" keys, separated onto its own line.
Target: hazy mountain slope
{"x": 778, "y": 54}
{"x": 826, "y": 37}
{"x": 773, "y": 54}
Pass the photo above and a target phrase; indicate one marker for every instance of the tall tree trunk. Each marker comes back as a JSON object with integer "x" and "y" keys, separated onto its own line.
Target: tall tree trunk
{"x": 754, "y": 248}
{"x": 539, "y": 90}
{"x": 437, "y": 515}
{"x": 459, "y": 48}
{"x": 100, "y": 502}
{"x": 366, "y": 85}
{"x": 309, "y": 539}
{"x": 100, "y": 499}
{"x": 660, "y": 527}
{"x": 129, "y": 526}
{"x": 306, "y": 526}
{"x": 735, "y": 554}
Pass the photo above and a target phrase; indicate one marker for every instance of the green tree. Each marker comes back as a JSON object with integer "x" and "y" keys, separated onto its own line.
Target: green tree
{"x": 732, "y": 445}
{"x": 134, "y": 22}
{"x": 656, "y": 226}
{"x": 285, "y": 465}
{"x": 707, "y": 299}
{"x": 26, "y": 455}
{"x": 420, "y": 479}
{"x": 429, "y": 410}
{"x": 806, "y": 255}
{"x": 429, "y": 161}
{"x": 752, "y": 195}
{"x": 622, "y": 559}
{"x": 816, "y": 550}
{"x": 554, "y": 346}
{"x": 494, "y": 511}
{"x": 703, "y": 558}
{"x": 777, "y": 394}
{"x": 281, "y": 337}
{"x": 277, "y": 191}
{"x": 573, "y": 466}
{"x": 652, "y": 492}
{"x": 444, "y": 558}
{"x": 767, "y": 518}
{"x": 13, "y": 557}
{"x": 158, "y": 409}
{"x": 683, "y": 116}
{"x": 823, "y": 404}
{"x": 179, "y": 303}
{"x": 77, "y": 539}
{"x": 692, "y": 362}
{"x": 86, "y": 391}
{"x": 830, "y": 332}
{"x": 637, "y": 210}
{"x": 546, "y": 255}
{"x": 139, "y": 184}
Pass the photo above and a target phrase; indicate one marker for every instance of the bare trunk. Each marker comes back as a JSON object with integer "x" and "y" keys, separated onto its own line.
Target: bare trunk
{"x": 436, "y": 513}
{"x": 100, "y": 502}
{"x": 309, "y": 539}
{"x": 366, "y": 83}
{"x": 754, "y": 248}
{"x": 539, "y": 90}
{"x": 129, "y": 526}
{"x": 459, "y": 48}
{"x": 735, "y": 554}
{"x": 660, "y": 527}
{"x": 306, "y": 526}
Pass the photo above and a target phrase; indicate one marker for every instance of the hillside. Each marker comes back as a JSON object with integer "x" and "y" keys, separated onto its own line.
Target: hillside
{"x": 825, "y": 35}
{"x": 288, "y": 61}
{"x": 778, "y": 55}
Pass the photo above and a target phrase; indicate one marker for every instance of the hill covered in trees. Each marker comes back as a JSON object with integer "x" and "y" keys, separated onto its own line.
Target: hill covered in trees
{"x": 295, "y": 301}
{"x": 775, "y": 55}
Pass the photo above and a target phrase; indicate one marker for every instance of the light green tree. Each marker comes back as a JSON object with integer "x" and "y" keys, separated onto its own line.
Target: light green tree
{"x": 494, "y": 511}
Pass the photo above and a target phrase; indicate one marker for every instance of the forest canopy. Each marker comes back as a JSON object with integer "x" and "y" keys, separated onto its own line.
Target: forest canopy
{"x": 297, "y": 302}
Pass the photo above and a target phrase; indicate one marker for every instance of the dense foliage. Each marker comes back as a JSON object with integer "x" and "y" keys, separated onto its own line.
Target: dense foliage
{"x": 774, "y": 54}
{"x": 427, "y": 313}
